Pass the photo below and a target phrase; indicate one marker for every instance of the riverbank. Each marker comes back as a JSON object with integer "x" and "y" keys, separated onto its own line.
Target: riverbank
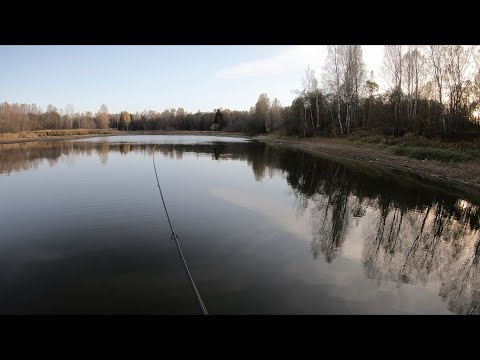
{"x": 464, "y": 174}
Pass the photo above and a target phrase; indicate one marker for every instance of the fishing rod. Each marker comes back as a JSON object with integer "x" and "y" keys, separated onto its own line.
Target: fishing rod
{"x": 174, "y": 237}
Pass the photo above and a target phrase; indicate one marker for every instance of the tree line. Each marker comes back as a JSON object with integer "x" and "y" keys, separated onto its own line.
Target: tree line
{"x": 433, "y": 91}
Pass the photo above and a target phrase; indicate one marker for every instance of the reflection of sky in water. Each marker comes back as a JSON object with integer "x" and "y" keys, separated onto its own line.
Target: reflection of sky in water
{"x": 166, "y": 139}
{"x": 273, "y": 207}
{"x": 346, "y": 278}
{"x": 83, "y": 221}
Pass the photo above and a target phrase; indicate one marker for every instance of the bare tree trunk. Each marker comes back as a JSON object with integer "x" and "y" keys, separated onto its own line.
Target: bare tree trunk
{"x": 305, "y": 122}
{"x": 339, "y": 115}
{"x": 366, "y": 112}
{"x": 311, "y": 117}
{"x": 396, "y": 118}
{"x": 415, "y": 104}
{"x": 347, "y": 119}
{"x": 333, "y": 117}
{"x": 444, "y": 125}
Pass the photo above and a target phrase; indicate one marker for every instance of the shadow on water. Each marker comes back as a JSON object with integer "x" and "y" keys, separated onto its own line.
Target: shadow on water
{"x": 418, "y": 231}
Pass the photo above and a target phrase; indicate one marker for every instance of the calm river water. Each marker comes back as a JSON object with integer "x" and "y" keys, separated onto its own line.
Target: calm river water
{"x": 264, "y": 230}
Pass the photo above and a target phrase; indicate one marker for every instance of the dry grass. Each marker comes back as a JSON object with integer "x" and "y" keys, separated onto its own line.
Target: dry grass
{"x": 52, "y": 133}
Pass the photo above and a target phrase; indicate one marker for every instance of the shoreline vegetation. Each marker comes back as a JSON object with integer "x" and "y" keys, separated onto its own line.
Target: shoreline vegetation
{"x": 462, "y": 171}
{"x": 39, "y": 135}
{"x": 456, "y": 163}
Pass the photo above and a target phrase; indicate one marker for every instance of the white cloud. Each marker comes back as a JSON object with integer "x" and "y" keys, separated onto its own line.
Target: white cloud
{"x": 292, "y": 59}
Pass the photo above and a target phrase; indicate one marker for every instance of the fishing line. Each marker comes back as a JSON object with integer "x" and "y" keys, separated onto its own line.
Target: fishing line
{"x": 174, "y": 237}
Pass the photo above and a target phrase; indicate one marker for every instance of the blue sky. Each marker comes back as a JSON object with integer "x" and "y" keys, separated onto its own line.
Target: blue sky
{"x": 137, "y": 78}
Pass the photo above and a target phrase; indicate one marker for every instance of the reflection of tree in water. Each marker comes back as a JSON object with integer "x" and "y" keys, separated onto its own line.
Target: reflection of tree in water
{"x": 103, "y": 152}
{"x": 330, "y": 212}
{"x": 462, "y": 288}
{"x": 410, "y": 235}
{"x": 216, "y": 152}
{"x": 257, "y": 161}
{"x": 30, "y": 155}
{"x": 125, "y": 148}
{"x": 24, "y": 156}
{"x": 433, "y": 246}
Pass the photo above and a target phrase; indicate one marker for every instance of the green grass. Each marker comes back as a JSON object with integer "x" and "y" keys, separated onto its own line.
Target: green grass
{"x": 419, "y": 147}
{"x": 428, "y": 153}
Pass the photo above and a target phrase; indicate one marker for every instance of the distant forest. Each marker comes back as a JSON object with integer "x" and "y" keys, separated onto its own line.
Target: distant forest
{"x": 433, "y": 91}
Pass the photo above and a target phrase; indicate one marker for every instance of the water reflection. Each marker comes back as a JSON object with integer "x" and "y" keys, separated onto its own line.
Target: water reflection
{"x": 418, "y": 232}
{"x": 412, "y": 231}
{"x": 30, "y": 155}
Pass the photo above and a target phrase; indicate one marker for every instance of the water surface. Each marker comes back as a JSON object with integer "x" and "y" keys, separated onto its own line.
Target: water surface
{"x": 264, "y": 230}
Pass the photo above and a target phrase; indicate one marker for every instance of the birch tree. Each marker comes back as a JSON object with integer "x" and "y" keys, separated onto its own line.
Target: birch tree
{"x": 262, "y": 111}
{"x": 102, "y": 116}
{"x": 125, "y": 118}
{"x": 371, "y": 88}
{"x": 436, "y": 61}
{"x": 476, "y": 84}
{"x": 275, "y": 114}
{"x": 70, "y": 110}
{"x": 332, "y": 77}
{"x": 419, "y": 76}
{"x": 414, "y": 75}
{"x": 392, "y": 71}
{"x": 458, "y": 76}
{"x": 408, "y": 63}
{"x": 310, "y": 88}
{"x": 353, "y": 72}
